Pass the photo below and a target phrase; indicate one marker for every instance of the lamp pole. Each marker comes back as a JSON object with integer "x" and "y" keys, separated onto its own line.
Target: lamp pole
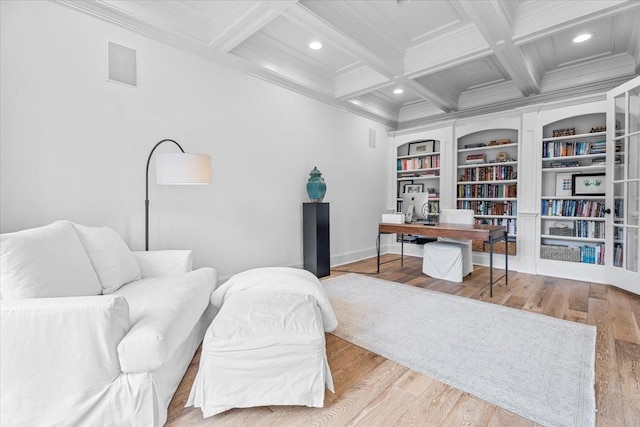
{"x": 146, "y": 201}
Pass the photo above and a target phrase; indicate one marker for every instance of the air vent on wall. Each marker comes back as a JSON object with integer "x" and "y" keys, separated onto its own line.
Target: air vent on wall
{"x": 122, "y": 64}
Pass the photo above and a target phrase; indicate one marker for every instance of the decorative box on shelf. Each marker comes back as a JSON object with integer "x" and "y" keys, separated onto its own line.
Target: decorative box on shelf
{"x": 560, "y": 253}
{"x": 561, "y": 231}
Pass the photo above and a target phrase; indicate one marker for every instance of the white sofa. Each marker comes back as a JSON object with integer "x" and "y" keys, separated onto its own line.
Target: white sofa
{"x": 92, "y": 333}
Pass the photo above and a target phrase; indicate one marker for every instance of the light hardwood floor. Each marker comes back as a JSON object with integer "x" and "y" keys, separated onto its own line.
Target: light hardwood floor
{"x": 373, "y": 391}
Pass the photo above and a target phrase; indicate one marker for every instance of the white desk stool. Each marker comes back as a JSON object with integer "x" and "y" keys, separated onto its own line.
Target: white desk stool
{"x": 450, "y": 259}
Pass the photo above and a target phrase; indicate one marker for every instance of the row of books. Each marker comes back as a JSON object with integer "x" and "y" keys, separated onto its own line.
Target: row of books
{"x": 592, "y": 254}
{"x": 590, "y": 229}
{"x": 466, "y": 191}
{"x": 510, "y": 223}
{"x": 618, "y": 254}
{"x": 583, "y": 208}
{"x": 488, "y": 173}
{"x": 572, "y": 148}
{"x": 618, "y": 208}
{"x": 485, "y": 207}
{"x": 565, "y": 164}
{"x": 426, "y": 162}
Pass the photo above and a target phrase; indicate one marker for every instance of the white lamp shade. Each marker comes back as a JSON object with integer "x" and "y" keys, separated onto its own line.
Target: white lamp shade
{"x": 183, "y": 169}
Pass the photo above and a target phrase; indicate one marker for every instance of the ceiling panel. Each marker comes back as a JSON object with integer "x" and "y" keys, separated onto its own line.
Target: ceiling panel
{"x": 412, "y": 21}
{"x": 297, "y": 38}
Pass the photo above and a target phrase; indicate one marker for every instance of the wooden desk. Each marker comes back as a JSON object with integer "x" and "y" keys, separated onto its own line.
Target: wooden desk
{"x": 485, "y": 233}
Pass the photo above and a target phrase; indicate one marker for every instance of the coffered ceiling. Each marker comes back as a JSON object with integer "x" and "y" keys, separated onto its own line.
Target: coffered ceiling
{"x": 451, "y": 58}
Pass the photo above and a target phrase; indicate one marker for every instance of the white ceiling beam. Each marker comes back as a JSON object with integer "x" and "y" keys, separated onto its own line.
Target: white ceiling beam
{"x": 494, "y": 24}
{"x": 236, "y": 21}
{"x": 357, "y": 81}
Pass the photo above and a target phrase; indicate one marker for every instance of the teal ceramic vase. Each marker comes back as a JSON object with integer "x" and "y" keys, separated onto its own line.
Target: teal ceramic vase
{"x": 316, "y": 188}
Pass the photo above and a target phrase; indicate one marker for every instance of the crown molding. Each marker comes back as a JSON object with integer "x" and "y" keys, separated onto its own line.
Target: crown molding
{"x": 556, "y": 99}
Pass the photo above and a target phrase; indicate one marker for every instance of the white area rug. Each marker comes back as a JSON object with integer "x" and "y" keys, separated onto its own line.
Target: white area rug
{"x": 536, "y": 366}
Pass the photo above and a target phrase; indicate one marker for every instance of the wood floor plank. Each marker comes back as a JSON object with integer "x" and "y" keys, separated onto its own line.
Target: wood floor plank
{"x": 432, "y": 407}
{"x": 503, "y": 418}
{"x": 371, "y": 390}
{"x": 608, "y": 391}
{"x": 579, "y": 296}
{"x": 470, "y": 411}
{"x": 625, "y": 327}
{"x": 597, "y": 290}
{"x": 629, "y": 365}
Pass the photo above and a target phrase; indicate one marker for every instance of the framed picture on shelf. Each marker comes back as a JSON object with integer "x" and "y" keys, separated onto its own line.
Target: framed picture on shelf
{"x": 413, "y": 188}
{"x": 588, "y": 184}
{"x": 422, "y": 147}
{"x": 563, "y": 184}
{"x": 402, "y": 185}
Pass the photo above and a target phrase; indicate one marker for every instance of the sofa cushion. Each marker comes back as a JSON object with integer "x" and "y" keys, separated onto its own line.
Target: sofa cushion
{"x": 163, "y": 312}
{"x": 44, "y": 262}
{"x": 110, "y": 257}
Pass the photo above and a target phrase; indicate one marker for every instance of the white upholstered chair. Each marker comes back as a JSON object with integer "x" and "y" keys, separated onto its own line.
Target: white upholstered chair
{"x": 450, "y": 259}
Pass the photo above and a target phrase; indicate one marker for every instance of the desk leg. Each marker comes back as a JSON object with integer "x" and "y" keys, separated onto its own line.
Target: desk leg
{"x": 402, "y": 250}
{"x": 506, "y": 261}
{"x": 378, "y": 270}
{"x": 490, "y": 266}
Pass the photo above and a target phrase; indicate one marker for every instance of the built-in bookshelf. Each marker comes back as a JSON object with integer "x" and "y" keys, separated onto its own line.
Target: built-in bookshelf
{"x": 572, "y": 206}
{"x": 487, "y": 178}
{"x": 418, "y": 170}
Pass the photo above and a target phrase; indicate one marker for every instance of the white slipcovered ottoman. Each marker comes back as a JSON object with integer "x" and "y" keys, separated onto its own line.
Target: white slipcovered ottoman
{"x": 266, "y": 345}
{"x": 443, "y": 260}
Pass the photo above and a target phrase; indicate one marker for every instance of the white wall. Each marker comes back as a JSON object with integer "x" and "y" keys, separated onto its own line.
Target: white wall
{"x": 73, "y": 145}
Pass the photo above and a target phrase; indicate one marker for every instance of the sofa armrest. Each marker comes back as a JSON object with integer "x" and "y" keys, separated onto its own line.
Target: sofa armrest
{"x": 63, "y": 347}
{"x": 164, "y": 263}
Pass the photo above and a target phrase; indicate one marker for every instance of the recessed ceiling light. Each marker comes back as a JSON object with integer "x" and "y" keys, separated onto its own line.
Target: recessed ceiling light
{"x": 315, "y": 45}
{"x": 398, "y": 91}
{"x": 582, "y": 37}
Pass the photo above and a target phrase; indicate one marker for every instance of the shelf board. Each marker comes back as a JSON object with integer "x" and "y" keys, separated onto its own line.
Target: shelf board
{"x": 575, "y": 157}
{"x": 569, "y": 238}
{"x": 496, "y": 216}
{"x": 487, "y": 147}
{"x": 497, "y": 181}
{"x": 417, "y": 170}
{"x": 572, "y": 137}
{"x": 406, "y": 178}
{"x": 572, "y": 197}
{"x": 489, "y": 199}
{"x": 413, "y": 156}
{"x": 575, "y": 169}
{"x": 481, "y": 165}
{"x": 571, "y": 218}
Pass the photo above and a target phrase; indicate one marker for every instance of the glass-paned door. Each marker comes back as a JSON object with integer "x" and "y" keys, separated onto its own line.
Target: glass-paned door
{"x": 623, "y": 193}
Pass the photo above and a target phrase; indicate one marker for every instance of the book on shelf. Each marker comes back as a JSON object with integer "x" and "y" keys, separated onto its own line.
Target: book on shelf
{"x": 475, "y": 158}
{"x": 565, "y": 164}
{"x": 599, "y": 147}
{"x": 572, "y": 148}
{"x": 592, "y": 254}
{"x": 579, "y": 208}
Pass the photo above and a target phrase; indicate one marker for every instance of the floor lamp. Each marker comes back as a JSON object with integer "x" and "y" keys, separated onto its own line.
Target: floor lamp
{"x": 175, "y": 169}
